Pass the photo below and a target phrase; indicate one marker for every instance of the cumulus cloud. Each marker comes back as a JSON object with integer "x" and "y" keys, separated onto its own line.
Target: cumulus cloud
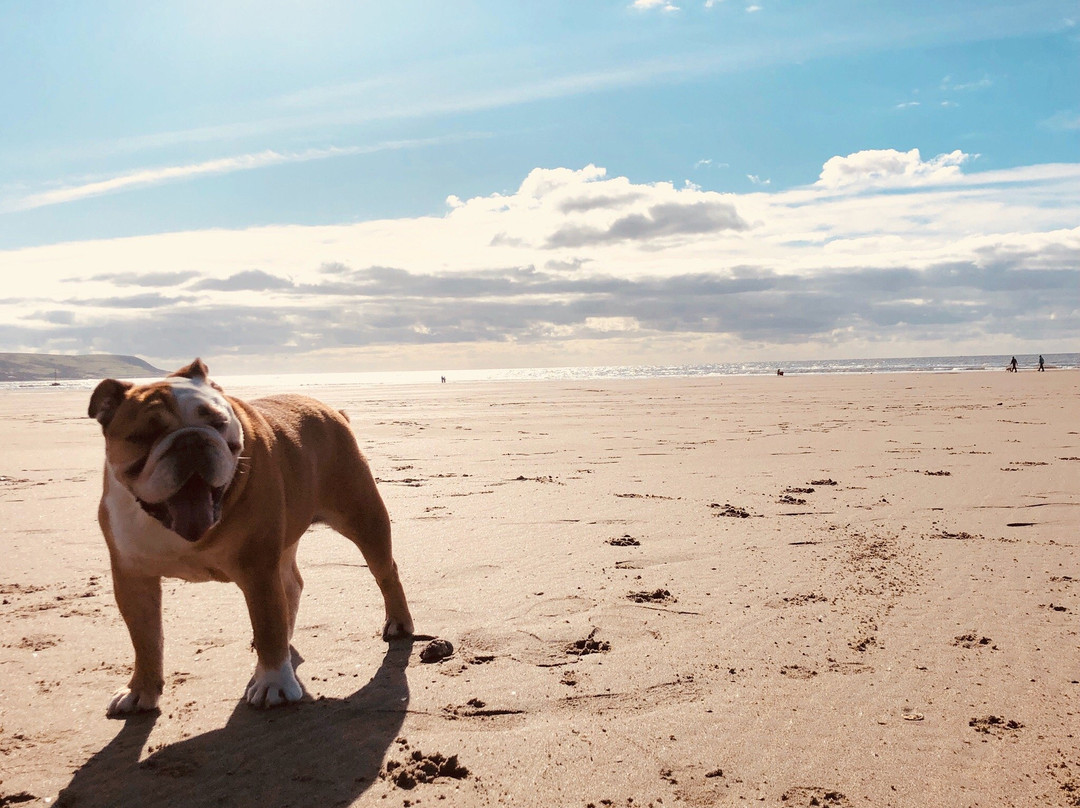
{"x": 658, "y": 222}
{"x": 583, "y": 204}
{"x": 251, "y": 280}
{"x": 575, "y": 255}
{"x": 888, "y": 167}
{"x": 157, "y": 279}
{"x": 388, "y": 307}
{"x": 149, "y": 300}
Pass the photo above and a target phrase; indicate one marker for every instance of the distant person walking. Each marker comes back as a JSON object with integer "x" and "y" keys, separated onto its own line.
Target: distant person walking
{"x": 1041, "y": 368}
{"x": 1012, "y": 365}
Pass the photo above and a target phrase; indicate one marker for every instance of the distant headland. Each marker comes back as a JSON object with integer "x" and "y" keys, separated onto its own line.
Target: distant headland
{"x": 28, "y": 367}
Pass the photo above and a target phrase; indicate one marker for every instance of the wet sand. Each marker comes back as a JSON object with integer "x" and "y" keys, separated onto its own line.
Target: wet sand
{"x": 834, "y": 591}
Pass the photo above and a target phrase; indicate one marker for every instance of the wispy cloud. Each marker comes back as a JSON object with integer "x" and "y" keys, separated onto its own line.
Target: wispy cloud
{"x": 948, "y": 84}
{"x": 1065, "y": 121}
{"x": 662, "y": 5}
{"x": 226, "y": 165}
{"x": 513, "y": 80}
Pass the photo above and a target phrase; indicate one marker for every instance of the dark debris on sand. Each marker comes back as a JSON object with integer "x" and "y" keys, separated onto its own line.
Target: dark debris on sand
{"x": 972, "y": 640}
{"x": 589, "y": 645}
{"x": 421, "y": 768}
{"x": 994, "y": 725}
{"x": 727, "y": 509}
{"x": 437, "y": 650}
{"x": 655, "y": 596}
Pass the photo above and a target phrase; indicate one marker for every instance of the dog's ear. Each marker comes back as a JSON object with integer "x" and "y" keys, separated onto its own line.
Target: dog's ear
{"x": 196, "y": 370}
{"x": 107, "y": 397}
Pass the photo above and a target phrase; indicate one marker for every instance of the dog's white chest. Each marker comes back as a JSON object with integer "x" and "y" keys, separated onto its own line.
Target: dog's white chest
{"x": 145, "y": 546}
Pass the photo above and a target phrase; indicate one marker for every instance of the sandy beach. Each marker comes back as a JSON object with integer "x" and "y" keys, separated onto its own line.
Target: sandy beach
{"x": 831, "y": 590}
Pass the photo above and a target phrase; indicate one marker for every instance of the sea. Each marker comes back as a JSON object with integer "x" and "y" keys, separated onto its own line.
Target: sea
{"x": 922, "y": 364}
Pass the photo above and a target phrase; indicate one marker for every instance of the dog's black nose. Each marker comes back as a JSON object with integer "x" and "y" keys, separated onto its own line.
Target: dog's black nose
{"x": 192, "y": 453}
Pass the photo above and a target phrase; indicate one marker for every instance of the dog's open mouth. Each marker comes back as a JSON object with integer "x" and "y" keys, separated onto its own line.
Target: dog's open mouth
{"x": 191, "y": 511}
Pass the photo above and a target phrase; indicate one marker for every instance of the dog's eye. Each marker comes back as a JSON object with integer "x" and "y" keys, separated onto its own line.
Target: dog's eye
{"x": 144, "y": 435}
{"x": 214, "y": 418}
{"x": 135, "y": 469}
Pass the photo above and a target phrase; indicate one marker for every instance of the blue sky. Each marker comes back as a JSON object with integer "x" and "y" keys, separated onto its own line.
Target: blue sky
{"x": 254, "y": 175}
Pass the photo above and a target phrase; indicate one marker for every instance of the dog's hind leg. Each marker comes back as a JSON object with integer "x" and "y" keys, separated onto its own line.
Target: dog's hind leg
{"x": 355, "y": 510}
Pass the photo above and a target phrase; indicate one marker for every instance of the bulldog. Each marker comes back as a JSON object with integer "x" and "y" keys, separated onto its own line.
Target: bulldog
{"x": 205, "y": 487}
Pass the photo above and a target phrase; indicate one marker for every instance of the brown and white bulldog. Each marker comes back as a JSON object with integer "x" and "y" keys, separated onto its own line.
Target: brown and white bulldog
{"x": 202, "y": 486}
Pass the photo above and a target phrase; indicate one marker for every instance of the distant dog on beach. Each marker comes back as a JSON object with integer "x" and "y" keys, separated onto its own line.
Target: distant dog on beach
{"x": 203, "y": 486}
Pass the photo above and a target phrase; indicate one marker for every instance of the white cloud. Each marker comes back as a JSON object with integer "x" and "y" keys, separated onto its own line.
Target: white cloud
{"x": 754, "y": 178}
{"x": 753, "y": 9}
{"x": 885, "y": 246}
{"x": 226, "y": 165}
{"x": 663, "y": 5}
{"x": 908, "y": 104}
{"x": 888, "y": 167}
{"x": 948, "y": 85}
{"x": 1066, "y": 121}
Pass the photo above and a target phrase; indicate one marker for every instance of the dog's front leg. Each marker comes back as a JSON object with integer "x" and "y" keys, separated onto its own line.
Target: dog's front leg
{"x": 275, "y": 681}
{"x": 139, "y": 599}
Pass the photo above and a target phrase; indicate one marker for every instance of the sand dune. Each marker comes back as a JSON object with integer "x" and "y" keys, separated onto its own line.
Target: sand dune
{"x": 834, "y": 591}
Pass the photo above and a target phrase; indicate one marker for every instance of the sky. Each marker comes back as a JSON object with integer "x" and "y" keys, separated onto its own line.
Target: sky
{"x": 323, "y": 186}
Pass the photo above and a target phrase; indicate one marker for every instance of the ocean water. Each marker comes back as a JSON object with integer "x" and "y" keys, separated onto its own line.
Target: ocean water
{"x": 923, "y": 364}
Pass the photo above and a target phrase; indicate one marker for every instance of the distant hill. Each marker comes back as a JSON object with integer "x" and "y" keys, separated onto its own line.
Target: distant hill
{"x": 26, "y": 367}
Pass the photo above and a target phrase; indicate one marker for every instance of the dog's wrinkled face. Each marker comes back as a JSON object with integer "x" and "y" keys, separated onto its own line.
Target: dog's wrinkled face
{"x": 174, "y": 444}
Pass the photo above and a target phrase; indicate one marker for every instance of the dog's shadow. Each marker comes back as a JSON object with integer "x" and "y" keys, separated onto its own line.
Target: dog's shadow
{"x": 321, "y": 752}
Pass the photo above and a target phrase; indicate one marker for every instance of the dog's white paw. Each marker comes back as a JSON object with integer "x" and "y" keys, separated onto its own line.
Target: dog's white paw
{"x": 126, "y": 701}
{"x": 271, "y": 687}
{"x": 396, "y": 629}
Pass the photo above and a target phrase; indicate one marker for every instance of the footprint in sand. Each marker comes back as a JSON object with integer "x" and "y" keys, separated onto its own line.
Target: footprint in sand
{"x": 38, "y": 642}
{"x": 973, "y": 640}
{"x": 995, "y": 725}
{"x": 815, "y": 796}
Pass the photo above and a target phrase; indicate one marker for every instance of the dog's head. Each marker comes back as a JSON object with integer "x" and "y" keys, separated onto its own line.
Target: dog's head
{"x": 174, "y": 444}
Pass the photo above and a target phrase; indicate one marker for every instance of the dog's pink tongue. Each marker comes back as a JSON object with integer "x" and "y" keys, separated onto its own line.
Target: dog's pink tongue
{"x": 191, "y": 509}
